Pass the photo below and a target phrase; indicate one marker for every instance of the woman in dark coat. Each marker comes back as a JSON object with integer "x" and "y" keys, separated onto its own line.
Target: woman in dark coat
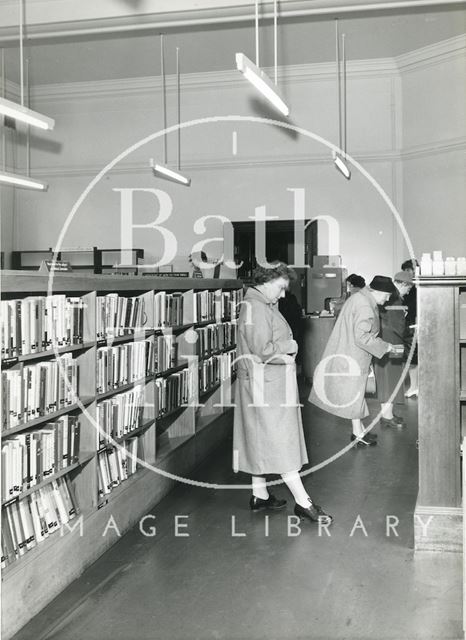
{"x": 410, "y": 299}
{"x": 268, "y": 434}
{"x": 388, "y": 371}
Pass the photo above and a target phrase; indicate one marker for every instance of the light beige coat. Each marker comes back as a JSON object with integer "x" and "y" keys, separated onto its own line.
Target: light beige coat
{"x": 349, "y": 350}
{"x": 267, "y": 437}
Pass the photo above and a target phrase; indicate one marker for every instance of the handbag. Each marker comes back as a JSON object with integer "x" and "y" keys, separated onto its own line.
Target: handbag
{"x": 371, "y": 386}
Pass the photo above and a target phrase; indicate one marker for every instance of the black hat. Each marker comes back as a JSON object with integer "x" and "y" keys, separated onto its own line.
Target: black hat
{"x": 383, "y": 283}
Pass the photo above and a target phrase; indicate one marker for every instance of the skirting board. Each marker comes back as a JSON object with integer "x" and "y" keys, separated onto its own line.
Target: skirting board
{"x": 438, "y": 529}
{"x": 28, "y": 587}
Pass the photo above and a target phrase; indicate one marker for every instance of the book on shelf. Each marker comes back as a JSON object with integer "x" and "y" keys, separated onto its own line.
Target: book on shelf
{"x": 26, "y": 523}
{"x": 119, "y": 315}
{"x": 215, "y": 337}
{"x": 205, "y": 307}
{"x": 37, "y": 390}
{"x": 168, "y": 309}
{"x": 166, "y": 352}
{"x": 215, "y": 369}
{"x": 119, "y": 415}
{"x": 40, "y": 323}
{"x": 30, "y": 458}
{"x": 174, "y": 391}
{"x": 117, "y": 464}
{"x": 231, "y": 304}
{"x": 123, "y": 364}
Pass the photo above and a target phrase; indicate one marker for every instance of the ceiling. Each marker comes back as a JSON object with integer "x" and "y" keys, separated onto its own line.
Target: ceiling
{"x": 204, "y": 48}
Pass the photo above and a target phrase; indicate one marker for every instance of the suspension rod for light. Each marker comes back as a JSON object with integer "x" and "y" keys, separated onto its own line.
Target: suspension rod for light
{"x": 258, "y": 78}
{"x": 275, "y": 42}
{"x": 339, "y": 158}
{"x": 19, "y": 111}
{"x": 7, "y": 177}
{"x": 161, "y": 170}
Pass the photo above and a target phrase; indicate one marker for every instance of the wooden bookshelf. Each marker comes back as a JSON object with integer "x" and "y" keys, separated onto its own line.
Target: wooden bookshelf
{"x": 64, "y": 557}
{"x": 442, "y": 411}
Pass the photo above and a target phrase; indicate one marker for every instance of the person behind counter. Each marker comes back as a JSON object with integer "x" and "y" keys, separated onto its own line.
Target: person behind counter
{"x": 268, "y": 434}
{"x": 292, "y": 311}
{"x": 194, "y": 262}
{"x": 388, "y": 371}
{"x": 340, "y": 378}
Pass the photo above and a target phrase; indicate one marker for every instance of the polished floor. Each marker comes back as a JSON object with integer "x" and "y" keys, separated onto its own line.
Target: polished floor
{"x": 362, "y": 581}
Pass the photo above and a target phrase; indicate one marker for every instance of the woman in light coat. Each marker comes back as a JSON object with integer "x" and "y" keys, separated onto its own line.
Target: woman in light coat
{"x": 268, "y": 434}
{"x": 340, "y": 378}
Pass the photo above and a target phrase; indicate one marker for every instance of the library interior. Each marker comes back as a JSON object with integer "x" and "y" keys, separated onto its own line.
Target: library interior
{"x": 233, "y": 288}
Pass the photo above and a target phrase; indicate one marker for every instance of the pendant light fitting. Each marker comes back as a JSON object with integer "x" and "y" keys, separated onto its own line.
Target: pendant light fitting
{"x": 254, "y": 74}
{"x": 339, "y": 159}
{"x": 7, "y": 177}
{"x": 161, "y": 170}
{"x": 19, "y": 111}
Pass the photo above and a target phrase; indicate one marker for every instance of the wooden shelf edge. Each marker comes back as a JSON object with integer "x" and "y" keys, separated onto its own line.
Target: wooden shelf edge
{"x": 131, "y": 434}
{"x": 123, "y": 388}
{"x": 50, "y": 417}
{"x": 50, "y": 353}
{"x": 63, "y": 472}
{"x": 108, "y": 498}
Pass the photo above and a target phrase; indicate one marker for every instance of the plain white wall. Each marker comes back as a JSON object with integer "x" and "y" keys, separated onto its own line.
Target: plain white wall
{"x": 396, "y": 130}
{"x": 434, "y": 168}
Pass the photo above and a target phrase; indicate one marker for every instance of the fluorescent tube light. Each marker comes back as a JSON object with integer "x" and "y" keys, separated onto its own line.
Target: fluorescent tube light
{"x": 163, "y": 172}
{"x": 261, "y": 81}
{"x": 23, "y": 114}
{"x": 341, "y": 166}
{"x": 21, "y": 181}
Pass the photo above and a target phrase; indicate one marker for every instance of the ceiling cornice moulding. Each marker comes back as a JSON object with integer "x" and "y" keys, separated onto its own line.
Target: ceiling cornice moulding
{"x": 433, "y": 54}
{"x": 207, "y": 81}
{"x": 87, "y": 17}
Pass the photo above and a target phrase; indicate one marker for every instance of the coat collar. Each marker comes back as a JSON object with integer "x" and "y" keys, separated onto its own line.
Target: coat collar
{"x": 255, "y": 294}
{"x": 367, "y": 294}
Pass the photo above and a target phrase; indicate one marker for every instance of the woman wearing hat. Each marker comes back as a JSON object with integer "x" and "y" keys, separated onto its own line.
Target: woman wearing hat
{"x": 340, "y": 378}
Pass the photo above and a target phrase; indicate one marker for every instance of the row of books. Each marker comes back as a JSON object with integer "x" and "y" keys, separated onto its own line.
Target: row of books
{"x": 117, "y": 464}
{"x": 168, "y": 309}
{"x": 29, "y": 458}
{"x": 121, "y": 414}
{"x": 207, "y": 306}
{"x": 176, "y": 390}
{"x": 40, "y": 323}
{"x": 28, "y": 522}
{"x": 118, "y": 315}
{"x": 39, "y": 389}
{"x": 215, "y": 369}
{"x": 123, "y": 364}
{"x": 215, "y": 337}
{"x": 231, "y": 303}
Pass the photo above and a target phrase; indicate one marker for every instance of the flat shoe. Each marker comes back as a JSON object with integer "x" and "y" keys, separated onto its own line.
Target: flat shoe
{"x": 314, "y": 513}
{"x": 257, "y": 504}
{"x": 363, "y": 441}
{"x": 395, "y": 423}
{"x": 412, "y": 392}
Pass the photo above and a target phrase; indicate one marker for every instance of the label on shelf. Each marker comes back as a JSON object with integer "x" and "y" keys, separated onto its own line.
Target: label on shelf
{"x": 54, "y": 265}
{"x": 9, "y": 362}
